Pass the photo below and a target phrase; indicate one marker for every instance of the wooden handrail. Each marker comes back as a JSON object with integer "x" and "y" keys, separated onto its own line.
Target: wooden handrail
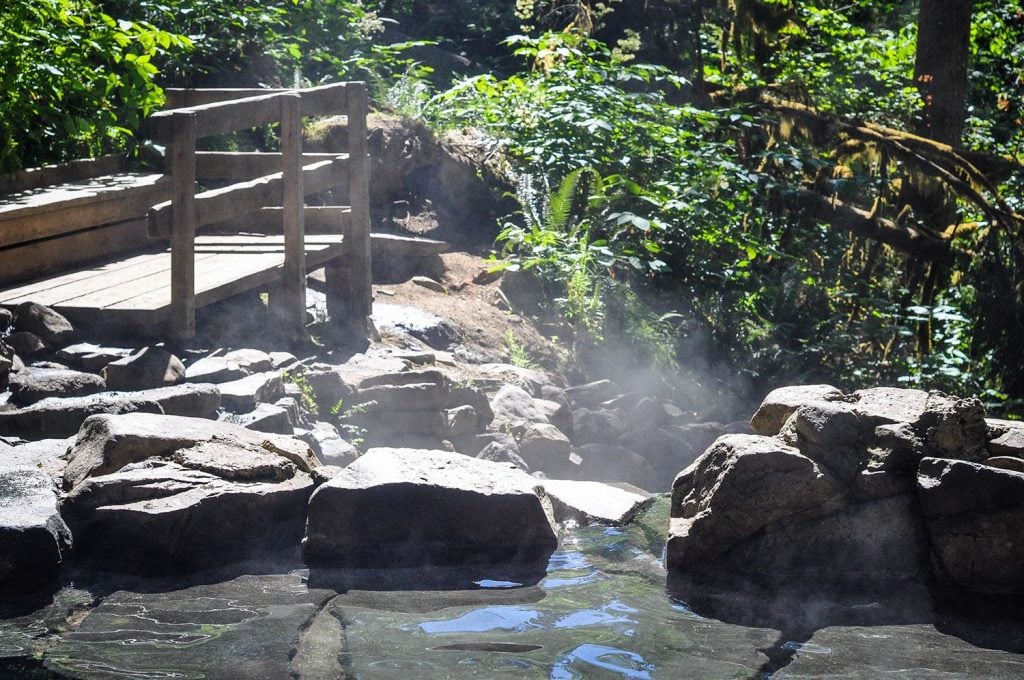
{"x": 316, "y": 101}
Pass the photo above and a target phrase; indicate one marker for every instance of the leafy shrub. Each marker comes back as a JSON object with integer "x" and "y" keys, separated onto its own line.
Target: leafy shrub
{"x": 75, "y": 81}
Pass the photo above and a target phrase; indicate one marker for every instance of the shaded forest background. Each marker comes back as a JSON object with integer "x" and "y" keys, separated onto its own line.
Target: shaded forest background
{"x": 739, "y": 192}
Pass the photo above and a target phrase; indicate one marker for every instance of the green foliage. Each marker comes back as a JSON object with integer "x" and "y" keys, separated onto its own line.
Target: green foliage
{"x": 75, "y": 81}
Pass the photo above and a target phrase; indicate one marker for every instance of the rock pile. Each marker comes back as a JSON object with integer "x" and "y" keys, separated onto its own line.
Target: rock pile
{"x": 879, "y": 485}
{"x": 140, "y": 461}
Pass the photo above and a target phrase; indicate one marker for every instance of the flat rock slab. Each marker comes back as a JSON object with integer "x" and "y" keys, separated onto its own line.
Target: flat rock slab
{"x": 86, "y": 356}
{"x": 107, "y": 443}
{"x": 436, "y": 332}
{"x": 43, "y": 454}
{"x": 147, "y": 368}
{"x": 594, "y": 502}
{"x": 242, "y": 395}
{"x": 33, "y": 537}
{"x": 1007, "y": 437}
{"x": 57, "y": 417}
{"x": 214, "y": 370}
{"x": 228, "y": 628}
{"x": 32, "y": 384}
{"x": 159, "y": 517}
{"x": 411, "y": 508}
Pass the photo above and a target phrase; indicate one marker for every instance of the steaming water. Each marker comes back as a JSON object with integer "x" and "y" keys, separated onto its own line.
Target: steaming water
{"x": 600, "y": 611}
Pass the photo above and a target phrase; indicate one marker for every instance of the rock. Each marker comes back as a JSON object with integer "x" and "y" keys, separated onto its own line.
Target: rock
{"x": 599, "y": 426}
{"x": 466, "y": 395}
{"x": 158, "y": 517}
{"x": 882, "y": 405}
{"x": 664, "y": 450}
{"x": 148, "y": 368}
{"x": 1006, "y": 463}
{"x": 46, "y": 455}
{"x": 33, "y": 537}
{"x": 974, "y": 515}
{"x": 282, "y": 360}
{"x": 592, "y": 394}
{"x": 26, "y": 345}
{"x": 92, "y": 358}
{"x": 542, "y": 446}
{"x": 107, "y": 443}
{"x": 32, "y": 384}
{"x": 460, "y": 421}
{"x": 241, "y": 396}
{"x": 6, "y": 362}
{"x": 265, "y": 418}
{"x": 649, "y": 412}
{"x": 55, "y": 417}
{"x": 6, "y": 319}
{"x": 235, "y": 461}
{"x": 874, "y": 542}
{"x": 414, "y": 397}
{"x": 250, "y": 360}
{"x": 741, "y": 485}
{"x": 215, "y": 369}
{"x": 514, "y": 405}
{"x": 328, "y": 388}
{"x": 292, "y": 410}
{"x": 608, "y": 463}
{"x": 464, "y": 511}
{"x": 51, "y": 327}
{"x": 429, "y": 284}
{"x": 436, "y": 332}
{"x": 1007, "y": 437}
{"x": 593, "y": 502}
{"x": 528, "y": 379}
{"x": 780, "y": 403}
{"x": 503, "y": 449}
{"x": 333, "y": 448}
{"x": 422, "y": 376}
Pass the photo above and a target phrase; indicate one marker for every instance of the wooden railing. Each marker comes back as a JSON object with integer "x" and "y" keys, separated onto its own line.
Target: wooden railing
{"x": 281, "y": 182}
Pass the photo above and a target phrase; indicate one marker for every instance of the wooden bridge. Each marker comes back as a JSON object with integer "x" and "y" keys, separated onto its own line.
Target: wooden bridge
{"x": 139, "y": 252}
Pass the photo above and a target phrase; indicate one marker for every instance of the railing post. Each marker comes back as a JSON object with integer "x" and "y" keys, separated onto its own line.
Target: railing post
{"x": 289, "y": 306}
{"x": 181, "y": 154}
{"x": 350, "y": 294}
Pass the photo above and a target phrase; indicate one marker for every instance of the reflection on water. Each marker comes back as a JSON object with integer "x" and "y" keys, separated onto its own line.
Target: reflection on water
{"x": 600, "y": 610}
{"x": 580, "y": 663}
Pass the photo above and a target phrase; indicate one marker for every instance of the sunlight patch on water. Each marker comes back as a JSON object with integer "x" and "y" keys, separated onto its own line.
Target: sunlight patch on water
{"x": 486, "y": 619}
{"x": 574, "y": 665}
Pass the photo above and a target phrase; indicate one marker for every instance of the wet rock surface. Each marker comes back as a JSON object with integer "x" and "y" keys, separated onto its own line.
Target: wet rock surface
{"x": 33, "y": 537}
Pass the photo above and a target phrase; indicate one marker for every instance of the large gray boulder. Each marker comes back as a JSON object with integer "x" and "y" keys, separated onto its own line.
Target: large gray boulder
{"x": 407, "y": 507}
{"x": 50, "y": 326}
{"x": 975, "y": 516}
{"x": 33, "y": 538}
{"x": 32, "y": 384}
{"x": 159, "y": 517}
{"x": 740, "y": 486}
{"x": 148, "y": 368}
{"x": 61, "y": 417}
{"x": 512, "y": 404}
{"x": 107, "y": 443}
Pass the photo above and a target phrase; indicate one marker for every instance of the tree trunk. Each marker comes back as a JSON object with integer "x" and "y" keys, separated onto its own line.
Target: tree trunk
{"x": 940, "y": 70}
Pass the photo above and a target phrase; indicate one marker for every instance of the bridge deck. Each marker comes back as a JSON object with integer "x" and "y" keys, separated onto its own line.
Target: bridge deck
{"x": 135, "y": 291}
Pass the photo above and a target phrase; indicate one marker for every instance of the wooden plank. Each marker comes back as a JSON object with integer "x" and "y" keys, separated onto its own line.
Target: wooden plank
{"x": 62, "y": 173}
{"x": 181, "y": 154}
{"x": 290, "y": 305}
{"x": 316, "y": 101}
{"x": 217, "y": 118}
{"x": 349, "y": 280}
{"x": 72, "y": 207}
{"x": 326, "y": 99}
{"x": 86, "y": 280}
{"x": 49, "y": 255}
{"x": 224, "y": 203}
{"x": 240, "y": 165}
{"x": 318, "y": 219}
